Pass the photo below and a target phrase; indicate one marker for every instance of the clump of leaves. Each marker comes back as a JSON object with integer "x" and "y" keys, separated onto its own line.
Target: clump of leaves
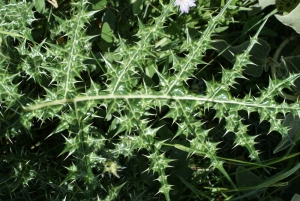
{"x": 91, "y": 87}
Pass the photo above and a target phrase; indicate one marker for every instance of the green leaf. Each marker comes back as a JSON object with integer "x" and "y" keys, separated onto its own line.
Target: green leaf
{"x": 296, "y": 197}
{"x": 216, "y": 162}
{"x": 270, "y": 181}
{"x": 97, "y": 4}
{"x": 293, "y": 134}
{"x": 39, "y": 5}
{"x": 258, "y": 54}
{"x": 245, "y": 178}
{"x": 197, "y": 192}
{"x": 289, "y": 65}
{"x": 110, "y": 18}
{"x": 265, "y": 3}
{"x": 292, "y": 19}
{"x": 113, "y": 192}
{"x": 137, "y": 6}
{"x": 278, "y": 177}
{"x": 106, "y": 33}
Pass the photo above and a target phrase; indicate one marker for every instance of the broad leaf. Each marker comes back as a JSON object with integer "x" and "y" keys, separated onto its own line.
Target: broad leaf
{"x": 292, "y": 19}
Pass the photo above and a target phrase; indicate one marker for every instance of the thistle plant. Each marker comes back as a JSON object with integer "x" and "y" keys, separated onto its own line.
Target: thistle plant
{"x": 97, "y": 104}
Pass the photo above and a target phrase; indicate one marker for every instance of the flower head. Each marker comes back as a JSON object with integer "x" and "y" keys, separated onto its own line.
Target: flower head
{"x": 185, "y": 5}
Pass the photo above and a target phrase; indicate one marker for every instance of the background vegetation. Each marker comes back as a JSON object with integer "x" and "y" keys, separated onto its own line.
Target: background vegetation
{"x": 134, "y": 100}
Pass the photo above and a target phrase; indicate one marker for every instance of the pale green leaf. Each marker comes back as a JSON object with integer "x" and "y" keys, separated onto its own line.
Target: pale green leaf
{"x": 265, "y": 3}
{"x": 107, "y": 34}
{"x": 296, "y": 197}
{"x": 39, "y": 5}
{"x": 292, "y": 19}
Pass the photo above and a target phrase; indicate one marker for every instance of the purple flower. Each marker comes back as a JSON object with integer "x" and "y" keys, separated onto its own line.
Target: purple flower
{"x": 185, "y": 5}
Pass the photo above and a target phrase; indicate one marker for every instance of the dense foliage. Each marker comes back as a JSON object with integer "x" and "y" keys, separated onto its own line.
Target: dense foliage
{"x": 137, "y": 100}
